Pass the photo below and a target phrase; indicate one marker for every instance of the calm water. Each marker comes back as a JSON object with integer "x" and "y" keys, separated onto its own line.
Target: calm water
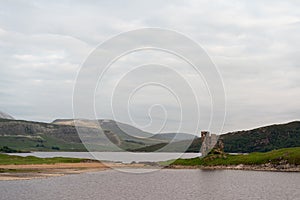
{"x": 160, "y": 185}
{"x": 114, "y": 156}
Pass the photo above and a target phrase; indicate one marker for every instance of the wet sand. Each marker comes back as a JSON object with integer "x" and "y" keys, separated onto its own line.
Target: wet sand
{"x": 26, "y": 172}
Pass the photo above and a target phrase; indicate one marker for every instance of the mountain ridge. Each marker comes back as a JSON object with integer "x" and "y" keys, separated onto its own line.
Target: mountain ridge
{"x": 59, "y": 135}
{"x": 41, "y": 136}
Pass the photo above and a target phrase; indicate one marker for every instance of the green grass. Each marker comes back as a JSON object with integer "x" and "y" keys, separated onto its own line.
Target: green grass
{"x": 29, "y": 160}
{"x": 19, "y": 170}
{"x": 291, "y": 155}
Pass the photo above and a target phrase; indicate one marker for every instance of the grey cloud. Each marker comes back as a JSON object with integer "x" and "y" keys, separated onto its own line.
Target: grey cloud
{"x": 255, "y": 45}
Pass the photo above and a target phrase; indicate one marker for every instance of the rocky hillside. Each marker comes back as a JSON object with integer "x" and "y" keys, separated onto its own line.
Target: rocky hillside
{"x": 26, "y": 135}
{"x": 62, "y": 135}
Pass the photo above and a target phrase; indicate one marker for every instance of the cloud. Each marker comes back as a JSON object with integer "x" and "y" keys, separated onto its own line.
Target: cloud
{"x": 254, "y": 44}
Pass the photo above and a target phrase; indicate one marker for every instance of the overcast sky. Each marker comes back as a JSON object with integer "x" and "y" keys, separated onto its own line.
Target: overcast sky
{"x": 255, "y": 45}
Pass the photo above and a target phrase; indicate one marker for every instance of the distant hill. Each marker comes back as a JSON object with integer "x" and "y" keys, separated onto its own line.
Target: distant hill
{"x": 191, "y": 146}
{"x": 36, "y": 136}
{"x": 4, "y": 115}
{"x": 263, "y": 139}
{"x": 124, "y": 130}
{"x": 256, "y": 140}
{"x": 175, "y": 136}
{"x": 122, "y": 135}
{"x": 61, "y": 135}
{"x": 130, "y": 134}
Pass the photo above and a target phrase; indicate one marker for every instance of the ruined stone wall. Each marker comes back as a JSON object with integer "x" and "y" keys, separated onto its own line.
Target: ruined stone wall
{"x": 208, "y": 142}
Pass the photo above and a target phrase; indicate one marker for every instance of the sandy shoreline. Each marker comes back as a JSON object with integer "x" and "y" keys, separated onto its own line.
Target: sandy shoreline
{"x": 27, "y": 172}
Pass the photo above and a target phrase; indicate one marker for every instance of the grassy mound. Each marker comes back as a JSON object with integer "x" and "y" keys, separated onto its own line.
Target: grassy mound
{"x": 287, "y": 155}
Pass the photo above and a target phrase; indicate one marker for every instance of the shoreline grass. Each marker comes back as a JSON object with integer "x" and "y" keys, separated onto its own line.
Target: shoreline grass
{"x": 31, "y": 160}
{"x": 276, "y": 157}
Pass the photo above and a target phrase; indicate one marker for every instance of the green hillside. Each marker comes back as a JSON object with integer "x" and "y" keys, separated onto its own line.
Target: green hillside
{"x": 62, "y": 136}
{"x": 263, "y": 139}
{"x": 257, "y": 140}
{"x": 37, "y": 136}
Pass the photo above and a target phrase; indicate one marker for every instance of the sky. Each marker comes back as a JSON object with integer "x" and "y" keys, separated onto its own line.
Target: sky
{"x": 255, "y": 45}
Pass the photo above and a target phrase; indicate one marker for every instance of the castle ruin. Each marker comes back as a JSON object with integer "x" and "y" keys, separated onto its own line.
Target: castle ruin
{"x": 208, "y": 142}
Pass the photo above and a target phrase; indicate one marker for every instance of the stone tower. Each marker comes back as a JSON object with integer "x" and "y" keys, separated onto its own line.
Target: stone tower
{"x": 208, "y": 142}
